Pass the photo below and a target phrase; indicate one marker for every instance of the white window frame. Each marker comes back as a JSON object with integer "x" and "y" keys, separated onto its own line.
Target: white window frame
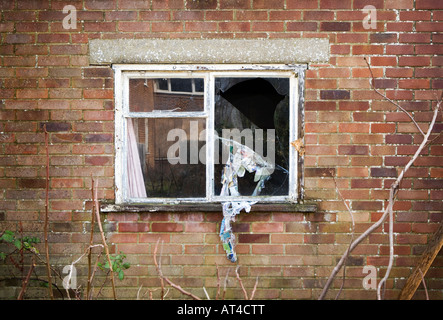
{"x": 170, "y": 91}
{"x": 124, "y": 72}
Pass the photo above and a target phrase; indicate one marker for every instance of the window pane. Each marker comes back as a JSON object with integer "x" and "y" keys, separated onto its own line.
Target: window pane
{"x": 171, "y": 169}
{"x": 255, "y": 113}
{"x": 181, "y": 85}
{"x": 199, "y": 85}
{"x": 166, "y": 94}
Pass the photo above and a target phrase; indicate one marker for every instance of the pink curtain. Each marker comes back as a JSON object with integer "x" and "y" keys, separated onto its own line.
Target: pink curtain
{"x": 136, "y": 183}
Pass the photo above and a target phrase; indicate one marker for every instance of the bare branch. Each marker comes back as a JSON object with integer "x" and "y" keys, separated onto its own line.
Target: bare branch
{"x": 424, "y": 283}
{"x": 91, "y": 241}
{"x": 97, "y": 212}
{"x": 48, "y": 266}
{"x": 391, "y": 101}
{"x": 388, "y": 211}
{"x": 169, "y": 281}
{"x": 352, "y": 233}
{"x": 26, "y": 280}
{"x": 255, "y": 289}
{"x": 241, "y": 283}
{"x": 218, "y": 282}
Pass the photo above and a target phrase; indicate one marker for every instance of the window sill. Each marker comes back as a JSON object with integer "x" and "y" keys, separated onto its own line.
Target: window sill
{"x": 205, "y": 207}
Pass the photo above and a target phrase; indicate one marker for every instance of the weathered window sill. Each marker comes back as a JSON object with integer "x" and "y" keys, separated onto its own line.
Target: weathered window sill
{"x": 205, "y": 207}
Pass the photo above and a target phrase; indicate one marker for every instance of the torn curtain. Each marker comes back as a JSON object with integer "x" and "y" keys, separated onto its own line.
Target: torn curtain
{"x": 136, "y": 183}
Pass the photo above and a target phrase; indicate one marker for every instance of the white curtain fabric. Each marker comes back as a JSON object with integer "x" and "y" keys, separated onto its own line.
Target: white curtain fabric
{"x": 136, "y": 183}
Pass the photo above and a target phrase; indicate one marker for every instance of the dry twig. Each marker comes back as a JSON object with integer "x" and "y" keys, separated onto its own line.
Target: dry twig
{"x": 389, "y": 209}
{"x": 243, "y": 288}
{"x": 97, "y": 213}
{"x": 48, "y": 266}
{"x": 26, "y": 280}
{"x": 160, "y": 273}
{"x": 91, "y": 241}
{"x": 352, "y": 233}
{"x": 392, "y": 101}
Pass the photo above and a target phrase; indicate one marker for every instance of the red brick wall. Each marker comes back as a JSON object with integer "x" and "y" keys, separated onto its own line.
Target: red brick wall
{"x": 46, "y": 78}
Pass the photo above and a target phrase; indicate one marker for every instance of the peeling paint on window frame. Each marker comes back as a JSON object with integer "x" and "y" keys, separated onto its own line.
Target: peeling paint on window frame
{"x": 124, "y": 72}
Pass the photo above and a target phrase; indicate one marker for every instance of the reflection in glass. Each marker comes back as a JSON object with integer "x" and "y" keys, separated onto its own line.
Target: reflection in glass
{"x": 166, "y": 94}
{"x": 171, "y": 168}
{"x": 257, "y": 110}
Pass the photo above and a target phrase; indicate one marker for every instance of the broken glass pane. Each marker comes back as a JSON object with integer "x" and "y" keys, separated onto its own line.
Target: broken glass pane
{"x": 169, "y": 150}
{"x": 253, "y": 112}
{"x": 166, "y": 94}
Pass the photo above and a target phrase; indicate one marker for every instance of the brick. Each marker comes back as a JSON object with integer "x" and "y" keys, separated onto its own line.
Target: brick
{"x": 383, "y": 127}
{"x": 98, "y": 160}
{"x": 398, "y": 139}
{"x": 383, "y": 38}
{"x": 167, "y": 26}
{"x": 352, "y": 172}
{"x": 53, "y": 38}
{"x": 321, "y": 127}
{"x": 399, "y": 72}
{"x": 202, "y": 4}
{"x": 100, "y": 4}
{"x": 383, "y": 61}
{"x": 19, "y": 38}
{"x": 383, "y": 172}
{"x": 353, "y": 150}
{"x": 234, "y": 26}
{"x": 31, "y": 27}
{"x": 134, "y": 26}
{"x": 414, "y": 38}
{"x": 400, "y": 26}
{"x": 133, "y": 227}
{"x": 318, "y": 15}
{"x": 399, "y": 49}
{"x": 414, "y": 84}
{"x": 32, "y": 93}
{"x": 301, "y": 26}
{"x": 353, "y": 127}
{"x": 55, "y": 126}
{"x": 428, "y": 48}
{"x": 354, "y": 105}
{"x": 429, "y": 26}
{"x": 428, "y": 4}
{"x": 66, "y": 183}
{"x": 134, "y": 4}
{"x": 351, "y": 62}
{"x": 274, "y": 26}
{"x": 66, "y": 138}
{"x": 331, "y": 4}
{"x": 415, "y": 15}
{"x": 367, "y": 205}
{"x": 234, "y": 4}
{"x": 201, "y": 26}
{"x": 167, "y": 227}
{"x": 335, "y": 26}
{"x": 264, "y": 4}
{"x": 428, "y": 184}
{"x": 253, "y": 238}
{"x": 367, "y": 49}
{"x": 334, "y": 94}
{"x": 99, "y": 137}
{"x": 301, "y": 4}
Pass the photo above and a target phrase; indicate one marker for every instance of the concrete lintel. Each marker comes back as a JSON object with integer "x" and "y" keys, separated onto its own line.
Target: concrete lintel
{"x": 209, "y": 51}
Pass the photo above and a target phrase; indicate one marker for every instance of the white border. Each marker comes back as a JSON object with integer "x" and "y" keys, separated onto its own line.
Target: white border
{"x": 121, "y": 87}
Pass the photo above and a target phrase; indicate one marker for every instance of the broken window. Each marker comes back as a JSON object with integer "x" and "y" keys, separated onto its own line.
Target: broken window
{"x": 206, "y": 133}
